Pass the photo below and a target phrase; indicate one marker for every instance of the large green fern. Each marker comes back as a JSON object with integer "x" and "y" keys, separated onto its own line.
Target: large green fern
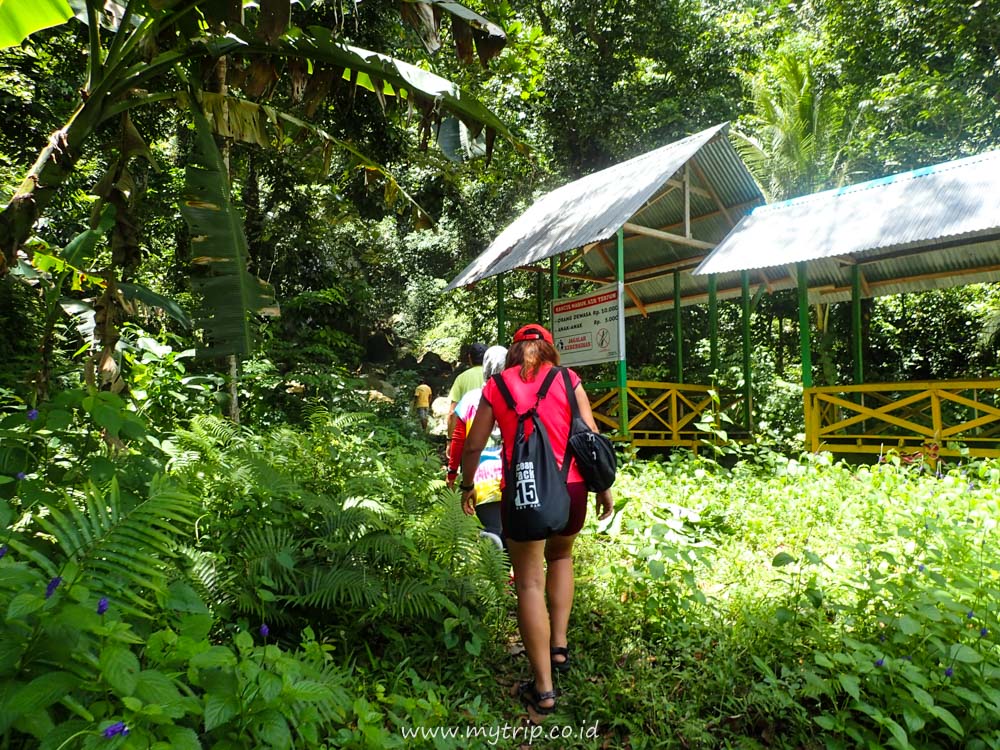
{"x": 114, "y": 546}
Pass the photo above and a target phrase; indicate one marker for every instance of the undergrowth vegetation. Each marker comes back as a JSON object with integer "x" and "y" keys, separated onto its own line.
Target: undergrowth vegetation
{"x": 200, "y": 584}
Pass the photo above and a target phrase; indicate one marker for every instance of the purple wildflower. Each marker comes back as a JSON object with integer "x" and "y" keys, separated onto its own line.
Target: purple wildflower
{"x": 983, "y": 632}
{"x": 949, "y": 672}
{"x": 32, "y": 415}
{"x": 921, "y": 567}
{"x": 879, "y": 662}
{"x": 3, "y": 551}
{"x": 970, "y": 614}
{"x": 53, "y": 585}
{"x": 115, "y": 729}
{"x": 20, "y": 475}
{"x": 102, "y": 605}
{"x": 265, "y": 630}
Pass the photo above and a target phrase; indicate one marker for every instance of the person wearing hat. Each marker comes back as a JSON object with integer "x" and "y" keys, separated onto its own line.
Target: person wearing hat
{"x": 542, "y": 569}
{"x": 467, "y": 380}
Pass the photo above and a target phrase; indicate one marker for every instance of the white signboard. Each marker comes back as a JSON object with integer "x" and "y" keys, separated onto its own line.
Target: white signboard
{"x": 589, "y": 329}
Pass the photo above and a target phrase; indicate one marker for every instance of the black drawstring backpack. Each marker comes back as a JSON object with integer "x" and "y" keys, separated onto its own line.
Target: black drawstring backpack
{"x": 595, "y": 456}
{"x": 539, "y": 502}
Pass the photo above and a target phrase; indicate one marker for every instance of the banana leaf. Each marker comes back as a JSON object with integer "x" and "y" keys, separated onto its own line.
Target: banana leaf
{"x": 133, "y": 292}
{"x": 396, "y": 78}
{"x": 267, "y": 126}
{"x": 230, "y": 293}
{"x": 19, "y": 19}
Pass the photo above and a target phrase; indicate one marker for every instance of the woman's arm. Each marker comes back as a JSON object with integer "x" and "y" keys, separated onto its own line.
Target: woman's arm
{"x": 475, "y": 441}
{"x": 605, "y": 501}
{"x": 586, "y": 413}
{"x": 455, "y": 450}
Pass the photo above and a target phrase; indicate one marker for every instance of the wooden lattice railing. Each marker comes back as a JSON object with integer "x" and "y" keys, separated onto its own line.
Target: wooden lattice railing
{"x": 931, "y": 418}
{"x": 662, "y": 414}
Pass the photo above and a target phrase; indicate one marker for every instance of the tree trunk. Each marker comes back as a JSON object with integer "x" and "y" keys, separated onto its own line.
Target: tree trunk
{"x": 54, "y": 164}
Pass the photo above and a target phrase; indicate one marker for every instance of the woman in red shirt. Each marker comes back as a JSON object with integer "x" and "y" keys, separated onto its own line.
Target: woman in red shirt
{"x": 543, "y": 629}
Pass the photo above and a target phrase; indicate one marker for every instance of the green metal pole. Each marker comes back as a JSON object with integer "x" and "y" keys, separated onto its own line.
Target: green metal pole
{"x": 805, "y": 345}
{"x": 713, "y": 321}
{"x": 622, "y": 369}
{"x": 501, "y": 311}
{"x": 859, "y": 364}
{"x": 747, "y": 377}
{"x": 539, "y": 291}
{"x": 553, "y": 281}
{"x": 678, "y": 328}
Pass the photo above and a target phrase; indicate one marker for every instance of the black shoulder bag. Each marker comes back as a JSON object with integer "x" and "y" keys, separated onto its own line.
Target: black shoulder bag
{"x": 538, "y": 499}
{"x": 595, "y": 456}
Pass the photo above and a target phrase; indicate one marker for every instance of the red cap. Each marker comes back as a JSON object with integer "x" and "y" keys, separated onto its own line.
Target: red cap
{"x": 532, "y": 332}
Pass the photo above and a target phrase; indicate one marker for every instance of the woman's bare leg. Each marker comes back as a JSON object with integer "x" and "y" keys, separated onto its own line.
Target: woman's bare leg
{"x": 559, "y": 585}
{"x": 532, "y": 614}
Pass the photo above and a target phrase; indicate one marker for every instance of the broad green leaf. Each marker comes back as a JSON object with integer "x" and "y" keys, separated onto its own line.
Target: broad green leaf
{"x": 120, "y": 669}
{"x": 948, "y": 718}
{"x": 781, "y": 559}
{"x": 108, "y": 418}
{"x": 216, "y": 656}
{"x": 230, "y": 294}
{"x": 19, "y": 19}
{"x": 826, "y": 722}
{"x": 961, "y": 653}
{"x": 23, "y": 604}
{"x": 898, "y": 733}
{"x": 181, "y": 738}
{"x": 270, "y": 686}
{"x": 821, "y": 659}
{"x": 914, "y": 721}
{"x": 141, "y": 293}
{"x": 908, "y": 625}
{"x": 155, "y": 687}
{"x": 457, "y": 142}
{"x": 308, "y": 690}
{"x": 851, "y": 685}
{"x": 320, "y": 44}
{"x": 38, "y": 694}
{"x": 272, "y": 729}
{"x": 219, "y": 709}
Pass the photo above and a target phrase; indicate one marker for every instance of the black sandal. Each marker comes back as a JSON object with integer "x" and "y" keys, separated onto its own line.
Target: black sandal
{"x": 531, "y": 698}
{"x": 563, "y": 665}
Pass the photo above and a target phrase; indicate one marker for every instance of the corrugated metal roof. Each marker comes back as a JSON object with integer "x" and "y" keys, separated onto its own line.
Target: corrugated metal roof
{"x": 594, "y": 207}
{"x": 934, "y": 227}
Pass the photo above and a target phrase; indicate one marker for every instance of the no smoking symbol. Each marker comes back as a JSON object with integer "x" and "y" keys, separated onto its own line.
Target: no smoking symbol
{"x": 603, "y": 338}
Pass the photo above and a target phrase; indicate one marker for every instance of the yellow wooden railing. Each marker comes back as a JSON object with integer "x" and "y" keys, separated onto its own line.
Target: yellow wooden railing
{"x": 661, "y": 414}
{"x": 928, "y": 418}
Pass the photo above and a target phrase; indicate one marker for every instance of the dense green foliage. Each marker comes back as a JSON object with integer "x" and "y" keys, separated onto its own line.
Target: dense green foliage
{"x": 225, "y": 587}
{"x": 303, "y": 578}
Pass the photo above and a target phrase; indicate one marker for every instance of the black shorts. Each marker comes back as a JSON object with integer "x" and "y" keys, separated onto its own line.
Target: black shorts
{"x": 577, "y": 509}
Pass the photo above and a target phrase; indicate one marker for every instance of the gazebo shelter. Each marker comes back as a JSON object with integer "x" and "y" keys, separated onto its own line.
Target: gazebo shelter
{"x": 639, "y": 228}
{"x": 931, "y": 228}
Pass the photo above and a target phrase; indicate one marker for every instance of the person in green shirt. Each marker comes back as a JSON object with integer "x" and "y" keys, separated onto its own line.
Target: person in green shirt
{"x": 466, "y": 381}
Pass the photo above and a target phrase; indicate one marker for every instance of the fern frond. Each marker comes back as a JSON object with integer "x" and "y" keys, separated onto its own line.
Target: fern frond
{"x": 115, "y": 546}
{"x": 352, "y": 521}
{"x": 329, "y": 587}
{"x": 210, "y": 579}
{"x": 412, "y": 598}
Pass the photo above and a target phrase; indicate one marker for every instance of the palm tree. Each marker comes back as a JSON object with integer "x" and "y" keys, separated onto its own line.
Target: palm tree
{"x": 797, "y": 145}
{"x": 798, "y": 130}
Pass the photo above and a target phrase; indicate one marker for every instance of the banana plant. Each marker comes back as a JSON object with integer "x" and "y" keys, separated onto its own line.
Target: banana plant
{"x": 140, "y": 53}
